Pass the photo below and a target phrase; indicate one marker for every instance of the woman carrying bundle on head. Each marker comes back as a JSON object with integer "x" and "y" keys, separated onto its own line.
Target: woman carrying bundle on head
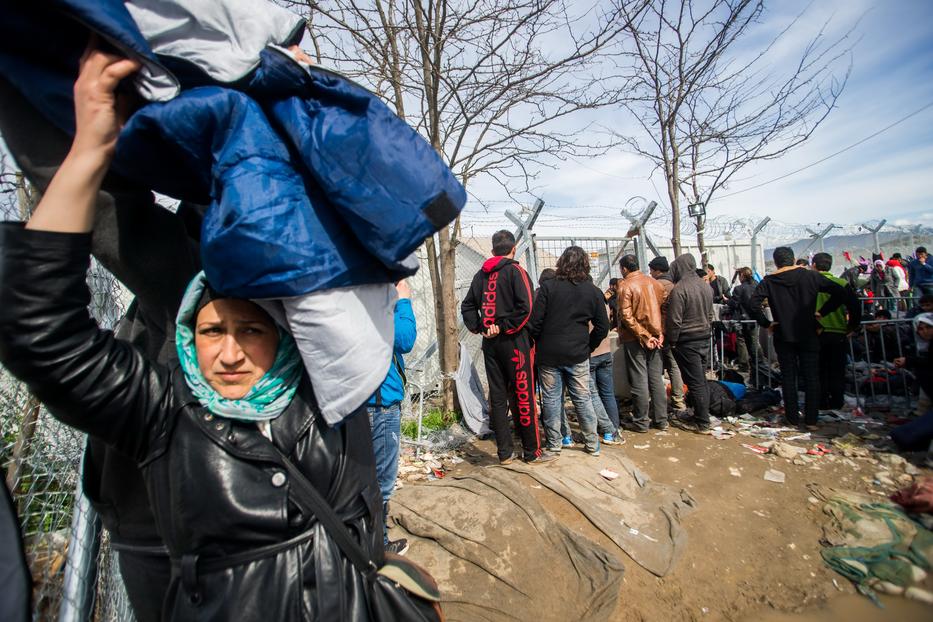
{"x": 267, "y": 512}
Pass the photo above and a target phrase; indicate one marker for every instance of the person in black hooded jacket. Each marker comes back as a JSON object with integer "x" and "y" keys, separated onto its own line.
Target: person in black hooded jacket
{"x": 498, "y": 306}
{"x": 687, "y": 328}
{"x": 791, "y": 293}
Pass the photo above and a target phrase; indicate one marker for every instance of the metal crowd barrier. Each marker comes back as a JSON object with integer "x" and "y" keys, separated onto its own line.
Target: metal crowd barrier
{"x": 864, "y": 399}
{"x": 897, "y": 305}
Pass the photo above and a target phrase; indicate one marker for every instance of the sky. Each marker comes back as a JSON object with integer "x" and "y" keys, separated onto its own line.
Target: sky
{"x": 888, "y": 176}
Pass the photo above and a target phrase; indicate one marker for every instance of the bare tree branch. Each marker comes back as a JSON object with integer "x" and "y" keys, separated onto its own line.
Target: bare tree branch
{"x": 707, "y": 107}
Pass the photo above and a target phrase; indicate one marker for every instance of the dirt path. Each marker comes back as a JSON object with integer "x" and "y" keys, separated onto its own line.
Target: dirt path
{"x": 753, "y": 545}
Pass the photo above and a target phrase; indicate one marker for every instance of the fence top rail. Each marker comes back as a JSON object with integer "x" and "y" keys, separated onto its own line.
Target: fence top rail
{"x": 587, "y": 238}
{"x": 899, "y": 320}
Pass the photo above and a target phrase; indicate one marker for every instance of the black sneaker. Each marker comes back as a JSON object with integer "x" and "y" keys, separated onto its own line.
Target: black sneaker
{"x": 692, "y": 425}
{"x": 661, "y": 427}
{"x": 399, "y": 547}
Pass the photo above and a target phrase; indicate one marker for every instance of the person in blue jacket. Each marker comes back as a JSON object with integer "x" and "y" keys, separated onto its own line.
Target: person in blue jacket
{"x": 385, "y": 409}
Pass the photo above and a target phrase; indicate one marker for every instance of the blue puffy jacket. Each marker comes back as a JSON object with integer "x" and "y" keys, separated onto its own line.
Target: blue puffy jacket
{"x": 312, "y": 181}
{"x": 392, "y": 390}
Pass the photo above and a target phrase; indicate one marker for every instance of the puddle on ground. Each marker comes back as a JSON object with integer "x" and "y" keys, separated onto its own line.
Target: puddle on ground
{"x": 855, "y": 608}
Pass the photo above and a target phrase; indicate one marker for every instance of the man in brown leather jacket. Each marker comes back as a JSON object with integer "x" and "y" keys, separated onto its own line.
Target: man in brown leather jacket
{"x": 641, "y": 334}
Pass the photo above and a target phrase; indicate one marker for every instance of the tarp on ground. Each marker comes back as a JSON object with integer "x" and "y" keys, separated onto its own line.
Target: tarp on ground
{"x": 499, "y": 554}
{"x": 640, "y": 516}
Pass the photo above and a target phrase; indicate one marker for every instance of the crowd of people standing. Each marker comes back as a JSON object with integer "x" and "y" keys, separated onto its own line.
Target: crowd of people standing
{"x": 664, "y": 320}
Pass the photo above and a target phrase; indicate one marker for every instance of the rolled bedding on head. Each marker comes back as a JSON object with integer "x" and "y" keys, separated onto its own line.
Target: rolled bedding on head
{"x": 345, "y": 337}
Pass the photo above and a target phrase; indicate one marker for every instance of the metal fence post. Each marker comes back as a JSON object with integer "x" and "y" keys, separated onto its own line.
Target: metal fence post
{"x": 754, "y": 242}
{"x": 80, "y": 585}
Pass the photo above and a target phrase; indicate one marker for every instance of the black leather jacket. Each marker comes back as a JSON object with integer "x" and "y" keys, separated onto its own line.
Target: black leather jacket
{"x": 240, "y": 548}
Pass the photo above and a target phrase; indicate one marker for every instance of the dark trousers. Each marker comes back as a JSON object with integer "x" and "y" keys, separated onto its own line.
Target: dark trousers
{"x": 833, "y": 347}
{"x": 799, "y": 360}
{"x": 646, "y": 377}
{"x": 510, "y": 372}
{"x": 692, "y": 358}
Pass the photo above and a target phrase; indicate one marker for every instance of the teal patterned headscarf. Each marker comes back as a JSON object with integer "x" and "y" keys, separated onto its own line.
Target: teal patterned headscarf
{"x": 271, "y": 394}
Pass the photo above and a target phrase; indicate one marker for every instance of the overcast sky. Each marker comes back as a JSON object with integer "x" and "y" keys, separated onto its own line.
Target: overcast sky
{"x": 889, "y": 176}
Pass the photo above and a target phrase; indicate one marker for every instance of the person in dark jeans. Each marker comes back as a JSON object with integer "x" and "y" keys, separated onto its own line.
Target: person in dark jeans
{"x": 498, "y": 306}
{"x": 568, "y": 323}
{"x": 832, "y": 338}
{"x": 602, "y": 389}
{"x": 748, "y": 349}
{"x": 687, "y": 327}
{"x": 385, "y": 412}
{"x": 792, "y": 295}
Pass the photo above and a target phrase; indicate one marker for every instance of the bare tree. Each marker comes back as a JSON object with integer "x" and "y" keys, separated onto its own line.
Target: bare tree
{"x": 708, "y": 107}
{"x": 486, "y": 83}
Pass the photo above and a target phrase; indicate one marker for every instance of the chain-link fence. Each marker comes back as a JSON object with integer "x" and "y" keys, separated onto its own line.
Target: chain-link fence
{"x": 41, "y": 460}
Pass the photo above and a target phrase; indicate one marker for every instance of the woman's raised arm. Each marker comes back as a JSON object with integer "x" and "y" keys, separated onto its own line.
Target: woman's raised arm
{"x": 68, "y": 204}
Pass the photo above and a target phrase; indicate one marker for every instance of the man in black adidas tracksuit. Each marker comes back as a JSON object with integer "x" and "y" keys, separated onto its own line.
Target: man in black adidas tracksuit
{"x": 498, "y": 306}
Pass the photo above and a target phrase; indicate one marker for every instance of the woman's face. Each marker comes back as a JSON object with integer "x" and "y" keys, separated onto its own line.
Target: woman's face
{"x": 925, "y": 331}
{"x": 236, "y": 343}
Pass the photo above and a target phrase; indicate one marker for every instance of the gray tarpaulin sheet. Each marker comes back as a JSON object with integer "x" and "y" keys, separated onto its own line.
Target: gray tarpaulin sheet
{"x": 498, "y": 554}
{"x": 640, "y": 516}
{"x": 471, "y": 395}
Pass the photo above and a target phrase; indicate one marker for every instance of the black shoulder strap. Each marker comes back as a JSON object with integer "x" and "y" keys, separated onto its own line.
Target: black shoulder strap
{"x": 312, "y": 502}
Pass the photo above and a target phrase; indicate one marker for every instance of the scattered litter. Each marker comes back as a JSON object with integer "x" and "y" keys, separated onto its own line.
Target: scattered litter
{"x": 812, "y": 500}
{"x": 673, "y": 459}
{"x": 792, "y": 546}
{"x": 774, "y": 476}
{"x": 799, "y": 437}
{"x": 759, "y": 513}
{"x": 609, "y": 474}
{"x": 785, "y": 450}
{"x": 720, "y": 435}
{"x": 758, "y": 449}
{"x": 734, "y": 472}
{"x": 819, "y": 450}
{"x": 645, "y": 446}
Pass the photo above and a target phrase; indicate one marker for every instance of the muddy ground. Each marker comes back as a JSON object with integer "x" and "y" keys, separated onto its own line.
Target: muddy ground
{"x": 753, "y": 548}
